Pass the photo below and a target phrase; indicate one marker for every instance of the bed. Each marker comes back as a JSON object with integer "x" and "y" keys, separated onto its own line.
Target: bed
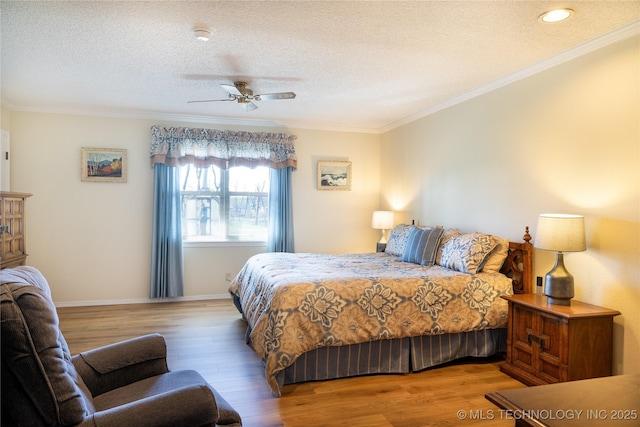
{"x": 431, "y": 297}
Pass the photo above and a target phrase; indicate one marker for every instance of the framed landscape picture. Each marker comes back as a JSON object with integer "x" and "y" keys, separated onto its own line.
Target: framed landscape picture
{"x": 334, "y": 175}
{"x": 103, "y": 164}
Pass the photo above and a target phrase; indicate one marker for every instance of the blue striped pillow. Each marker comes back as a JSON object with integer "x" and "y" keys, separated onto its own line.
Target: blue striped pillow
{"x": 422, "y": 245}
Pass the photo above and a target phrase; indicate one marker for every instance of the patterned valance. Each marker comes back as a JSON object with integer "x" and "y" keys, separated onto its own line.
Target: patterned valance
{"x": 177, "y": 146}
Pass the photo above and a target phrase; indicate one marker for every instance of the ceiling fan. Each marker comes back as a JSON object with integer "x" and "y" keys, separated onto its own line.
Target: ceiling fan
{"x": 240, "y": 93}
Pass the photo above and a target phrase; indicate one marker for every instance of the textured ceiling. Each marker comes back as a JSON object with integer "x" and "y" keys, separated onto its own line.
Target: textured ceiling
{"x": 357, "y": 65}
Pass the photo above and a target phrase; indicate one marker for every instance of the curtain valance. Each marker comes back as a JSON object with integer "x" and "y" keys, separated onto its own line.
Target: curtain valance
{"x": 177, "y": 146}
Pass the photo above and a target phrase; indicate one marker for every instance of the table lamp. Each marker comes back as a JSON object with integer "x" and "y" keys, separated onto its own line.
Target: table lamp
{"x": 382, "y": 220}
{"x": 560, "y": 233}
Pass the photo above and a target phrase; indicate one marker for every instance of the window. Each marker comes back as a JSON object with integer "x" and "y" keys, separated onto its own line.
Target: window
{"x": 224, "y": 204}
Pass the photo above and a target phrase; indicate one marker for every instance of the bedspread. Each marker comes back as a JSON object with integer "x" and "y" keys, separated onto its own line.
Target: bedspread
{"x": 294, "y": 303}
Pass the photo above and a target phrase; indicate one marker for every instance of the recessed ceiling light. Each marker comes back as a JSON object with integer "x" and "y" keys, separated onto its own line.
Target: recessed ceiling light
{"x": 556, "y": 15}
{"x": 202, "y": 33}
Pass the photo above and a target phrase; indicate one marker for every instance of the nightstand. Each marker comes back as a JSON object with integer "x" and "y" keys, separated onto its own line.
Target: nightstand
{"x": 548, "y": 343}
{"x": 380, "y": 247}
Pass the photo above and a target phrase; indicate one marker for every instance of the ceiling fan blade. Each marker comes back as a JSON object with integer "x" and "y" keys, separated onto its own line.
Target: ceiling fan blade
{"x": 211, "y": 100}
{"x": 249, "y": 106}
{"x": 272, "y": 96}
{"x": 231, "y": 89}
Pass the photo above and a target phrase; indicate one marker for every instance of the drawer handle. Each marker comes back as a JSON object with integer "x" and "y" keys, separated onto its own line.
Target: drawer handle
{"x": 532, "y": 338}
{"x": 541, "y": 341}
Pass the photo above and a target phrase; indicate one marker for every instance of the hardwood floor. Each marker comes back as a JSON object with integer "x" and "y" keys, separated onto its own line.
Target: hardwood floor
{"x": 208, "y": 336}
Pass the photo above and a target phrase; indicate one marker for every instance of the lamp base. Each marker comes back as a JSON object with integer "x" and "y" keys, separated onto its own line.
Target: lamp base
{"x": 383, "y": 238}
{"x": 558, "y": 283}
{"x": 559, "y": 301}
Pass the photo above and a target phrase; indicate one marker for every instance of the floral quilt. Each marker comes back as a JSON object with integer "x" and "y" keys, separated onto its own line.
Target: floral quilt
{"x": 294, "y": 303}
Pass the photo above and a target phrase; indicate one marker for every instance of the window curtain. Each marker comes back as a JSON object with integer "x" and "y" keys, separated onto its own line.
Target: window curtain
{"x": 172, "y": 147}
{"x": 280, "y": 237}
{"x": 167, "y": 278}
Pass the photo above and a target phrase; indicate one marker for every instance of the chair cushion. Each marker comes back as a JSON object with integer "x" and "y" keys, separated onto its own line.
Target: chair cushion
{"x": 36, "y": 364}
{"x": 155, "y": 386}
{"x": 148, "y": 387}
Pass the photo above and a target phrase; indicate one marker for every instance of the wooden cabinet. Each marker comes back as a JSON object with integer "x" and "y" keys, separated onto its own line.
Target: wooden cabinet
{"x": 549, "y": 343}
{"x": 12, "y": 229}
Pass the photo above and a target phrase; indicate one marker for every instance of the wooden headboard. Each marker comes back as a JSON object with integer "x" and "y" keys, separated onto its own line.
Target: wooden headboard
{"x": 519, "y": 265}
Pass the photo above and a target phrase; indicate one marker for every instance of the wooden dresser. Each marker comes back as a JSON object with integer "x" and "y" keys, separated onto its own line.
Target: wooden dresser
{"x": 548, "y": 343}
{"x": 12, "y": 229}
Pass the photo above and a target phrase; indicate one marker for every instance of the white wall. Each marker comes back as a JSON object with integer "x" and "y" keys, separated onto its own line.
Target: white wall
{"x": 93, "y": 240}
{"x": 336, "y": 221}
{"x": 5, "y": 166}
{"x": 566, "y": 140}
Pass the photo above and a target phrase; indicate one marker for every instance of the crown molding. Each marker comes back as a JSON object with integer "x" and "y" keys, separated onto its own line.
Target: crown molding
{"x": 623, "y": 33}
{"x": 209, "y": 120}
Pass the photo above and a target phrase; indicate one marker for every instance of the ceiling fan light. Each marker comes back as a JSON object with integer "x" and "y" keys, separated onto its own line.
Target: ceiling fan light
{"x": 202, "y": 33}
{"x": 556, "y": 15}
{"x": 249, "y": 106}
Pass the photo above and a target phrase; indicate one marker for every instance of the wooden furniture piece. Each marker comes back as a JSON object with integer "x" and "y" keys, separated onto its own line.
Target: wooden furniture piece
{"x": 549, "y": 343}
{"x": 610, "y": 401}
{"x": 380, "y": 247}
{"x": 12, "y": 229}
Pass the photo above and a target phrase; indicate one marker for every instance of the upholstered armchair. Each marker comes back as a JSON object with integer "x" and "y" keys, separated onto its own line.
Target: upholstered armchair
{"x": 123, "y": 384}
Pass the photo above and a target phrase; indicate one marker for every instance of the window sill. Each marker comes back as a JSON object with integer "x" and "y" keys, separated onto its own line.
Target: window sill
{"x": 227, "y": 243}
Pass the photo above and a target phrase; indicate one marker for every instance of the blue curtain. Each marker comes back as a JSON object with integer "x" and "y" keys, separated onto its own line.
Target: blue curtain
{"x": 166, "y": 252}
{"x": 280, "y": 237}
{"x": 172, "y": 147}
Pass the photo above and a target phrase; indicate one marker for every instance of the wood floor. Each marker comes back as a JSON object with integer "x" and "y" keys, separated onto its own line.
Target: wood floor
{"x": 208, "y": 336}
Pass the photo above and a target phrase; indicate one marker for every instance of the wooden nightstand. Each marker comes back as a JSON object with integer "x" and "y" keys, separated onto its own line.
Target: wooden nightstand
{"x": 380, "y": 247}
{"x": 549, "y": 343}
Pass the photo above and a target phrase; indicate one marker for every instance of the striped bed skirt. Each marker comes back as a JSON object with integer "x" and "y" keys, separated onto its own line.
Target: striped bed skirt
{"x": 394, "y": 356}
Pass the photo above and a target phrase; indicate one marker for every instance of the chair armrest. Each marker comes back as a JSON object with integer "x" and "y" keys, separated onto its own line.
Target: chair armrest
{"x": 106, "y": 368}
{"x": 184, "y": 407}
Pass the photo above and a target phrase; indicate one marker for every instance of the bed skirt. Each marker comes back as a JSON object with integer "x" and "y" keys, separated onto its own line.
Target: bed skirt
{"x": 395, "y": 356}
{"x": 433, "y": 350}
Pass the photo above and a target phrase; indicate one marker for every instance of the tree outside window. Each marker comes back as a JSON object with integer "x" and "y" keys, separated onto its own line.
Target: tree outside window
{"x": 224, "y": 204}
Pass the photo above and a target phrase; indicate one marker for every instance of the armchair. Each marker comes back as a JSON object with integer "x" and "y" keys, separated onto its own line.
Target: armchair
{"x": 122, "y": 384}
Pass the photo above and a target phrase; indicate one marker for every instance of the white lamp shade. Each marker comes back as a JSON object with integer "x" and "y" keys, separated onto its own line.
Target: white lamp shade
{"x": 382, "y": 220}
{"x": 561, "y": 233}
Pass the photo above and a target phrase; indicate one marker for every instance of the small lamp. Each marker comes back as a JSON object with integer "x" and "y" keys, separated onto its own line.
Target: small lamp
{"x": 382, "y": 220}
{"x": 560, "y": 233}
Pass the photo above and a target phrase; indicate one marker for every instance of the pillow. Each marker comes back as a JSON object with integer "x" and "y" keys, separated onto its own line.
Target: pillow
{"x": 493, "y": 262}
{"x": 466, "y": 253}
{"x": 446, "y": 236}
{"x": 398, "y": 239}
{"x": 422, "y": 245}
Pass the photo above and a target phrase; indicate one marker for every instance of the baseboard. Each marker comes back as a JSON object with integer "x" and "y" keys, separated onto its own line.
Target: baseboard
{"x": 141, "y": 300}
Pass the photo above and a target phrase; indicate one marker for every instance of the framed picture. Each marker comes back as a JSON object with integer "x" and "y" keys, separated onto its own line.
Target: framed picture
{"x": 334, "y": 175}
{"x": 104, "y": 165}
